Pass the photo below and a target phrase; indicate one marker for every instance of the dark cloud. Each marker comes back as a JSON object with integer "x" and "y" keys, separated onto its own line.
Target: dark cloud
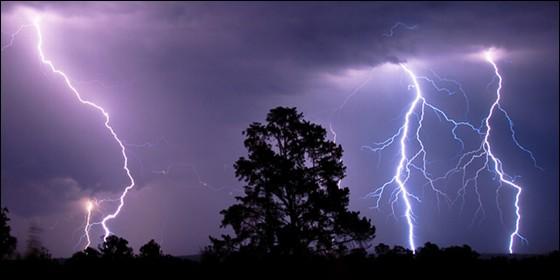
{"x": 47, "y": 196}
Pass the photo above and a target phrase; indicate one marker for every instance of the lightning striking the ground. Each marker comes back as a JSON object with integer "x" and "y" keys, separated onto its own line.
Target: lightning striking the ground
{"x": 466, "y": 159}
{"x": 49, "y": 63}
{"x": 408, "y": 161}
{"x": 404, "y": 163}
{"x": 497, "y": 163}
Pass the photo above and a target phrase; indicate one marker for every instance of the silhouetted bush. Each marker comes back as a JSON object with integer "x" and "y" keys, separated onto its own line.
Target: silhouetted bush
{"x": 151, "y": 250}
{"x": 7, "y": 241}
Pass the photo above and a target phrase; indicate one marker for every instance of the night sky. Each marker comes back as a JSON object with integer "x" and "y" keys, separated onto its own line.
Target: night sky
{"x": 181, "y": 82}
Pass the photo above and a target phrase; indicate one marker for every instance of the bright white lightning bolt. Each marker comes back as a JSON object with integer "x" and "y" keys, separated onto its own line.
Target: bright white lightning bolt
{"x": 497, "y": 163}
{"x": 406, "y": 163}
{"x": 49, "y": 63}
{"x": 459, "y": 88}
{"x": 89, "y": 208}
{"x": 466, "y": 159}
{"x": 398, "y": 174}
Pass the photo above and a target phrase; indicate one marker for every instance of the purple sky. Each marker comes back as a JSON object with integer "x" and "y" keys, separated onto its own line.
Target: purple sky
{"x": 188, "y": 78}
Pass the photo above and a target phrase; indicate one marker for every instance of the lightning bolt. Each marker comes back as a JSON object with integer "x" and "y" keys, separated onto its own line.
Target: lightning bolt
{"x": 466, "y": 159}
{"x": 49, "y": 63}
{"x": 13, "y": 36}
{"x": 497, "y": 163}
{"x": 459, "y": 88}
{"x": 397, "y": 25}
{"x": 89, "y": 208}
{"x": 490, "y": 161}
{"x": 406, "y": 162}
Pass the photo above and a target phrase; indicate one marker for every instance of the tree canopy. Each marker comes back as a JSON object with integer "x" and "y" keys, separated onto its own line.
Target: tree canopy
{"x": 115, "y": 248}
{"x": 151, "y": 250}
{"x": 292, "y": 201}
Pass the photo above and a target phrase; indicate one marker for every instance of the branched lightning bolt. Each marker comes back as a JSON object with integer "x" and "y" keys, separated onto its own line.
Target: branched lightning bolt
{"x": 458, "y": 86}
{"x": 491, "y": 163}
{"x": 467, "y": 159}
{"x": 406, "y": 162}
{"x": 497, "y": 163}
{"x": 107, "y": 124}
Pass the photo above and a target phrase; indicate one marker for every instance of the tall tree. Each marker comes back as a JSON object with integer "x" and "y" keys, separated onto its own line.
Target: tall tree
{"x": 293, "y": 203}
{"x": 7, "y": 241}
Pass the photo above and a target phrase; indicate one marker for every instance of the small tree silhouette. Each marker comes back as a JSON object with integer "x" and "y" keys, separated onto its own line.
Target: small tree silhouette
{"x": 7, "y": 241}
{"x": 86, "y": 256}
{"x": 293, "y": 204}
{"x": 35, "y": 249}
{"x": 430, "y": 251}
{"x": 464, "y": 253}
{"x": 151, "y": 250}
{"x": 115, "y": 248}
{"x": 382, "y": 249}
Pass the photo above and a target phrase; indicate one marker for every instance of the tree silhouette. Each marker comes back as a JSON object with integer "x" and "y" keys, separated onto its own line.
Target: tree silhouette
{"x": 293, "y": 204}
{"x": 115, "y": 248}
{"x": 464, "y": 253}
{"x": 35, "y": 248}
{"x": 151, "y": 250}
{"x": 382, "y": 249}
{"x": 7, "y": 241}
{"x": 89, "y": 255}
{"x": 430, "y": 251}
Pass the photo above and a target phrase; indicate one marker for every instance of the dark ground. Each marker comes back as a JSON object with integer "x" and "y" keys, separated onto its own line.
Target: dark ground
{"x": 352, "y": 266}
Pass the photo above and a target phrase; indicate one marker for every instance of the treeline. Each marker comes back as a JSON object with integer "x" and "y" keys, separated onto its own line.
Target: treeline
{"x": 115, "y": 257}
